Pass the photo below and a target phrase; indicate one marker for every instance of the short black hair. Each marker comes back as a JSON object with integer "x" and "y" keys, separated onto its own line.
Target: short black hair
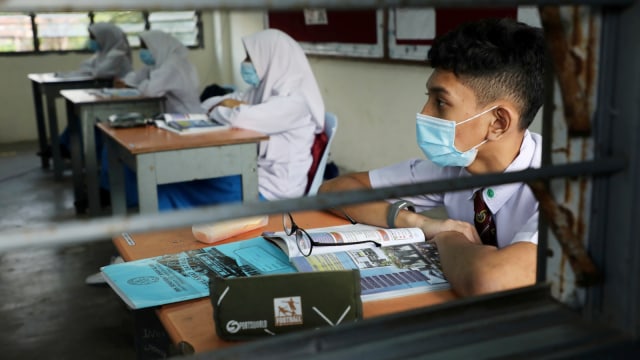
{"x": 496, "y": 58}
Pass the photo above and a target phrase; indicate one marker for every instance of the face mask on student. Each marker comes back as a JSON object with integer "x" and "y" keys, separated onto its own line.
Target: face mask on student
{"x": 249, "y": 74}
{"x": 146, "y": 57}
{"x": 436, "y": 138}
{"x": 92, "y": 45}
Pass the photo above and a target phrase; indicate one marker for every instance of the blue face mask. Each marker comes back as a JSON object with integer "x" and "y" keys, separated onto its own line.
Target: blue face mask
{"x": 436, "y": 138}
{"x": 249, "y": 74}
{"x": 92, "y": 45}
{"x": 146, "y": 57}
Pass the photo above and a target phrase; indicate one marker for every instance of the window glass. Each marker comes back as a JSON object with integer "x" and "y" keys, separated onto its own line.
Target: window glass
{"x": 68, "y": 31}
{"x": 62, "y": 31}
{"x": 131, "y": 22}
{"x": 15, "y": 33}
{"x": 181, "y": 24}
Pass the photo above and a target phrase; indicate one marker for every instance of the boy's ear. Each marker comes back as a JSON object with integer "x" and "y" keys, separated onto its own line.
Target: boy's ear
{"x": 505, "y": 118}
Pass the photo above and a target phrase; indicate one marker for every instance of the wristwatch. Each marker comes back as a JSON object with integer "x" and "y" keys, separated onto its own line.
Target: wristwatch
{"x": 395, "y": 208}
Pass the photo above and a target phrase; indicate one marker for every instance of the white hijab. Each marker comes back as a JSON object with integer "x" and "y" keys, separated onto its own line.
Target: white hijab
{"x": 110, "y": 37}
{"x": 283, "y": 69}
{"x": 173, "y": 75}
{"x": 113, "y": 59}
{"x": 163, "y": 46}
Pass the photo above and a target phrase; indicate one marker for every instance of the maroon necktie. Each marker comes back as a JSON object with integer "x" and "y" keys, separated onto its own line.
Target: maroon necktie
{"x": 483, "y": 220}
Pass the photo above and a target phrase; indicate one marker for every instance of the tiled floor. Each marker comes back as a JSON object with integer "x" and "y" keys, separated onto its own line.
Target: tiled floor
{"x": 46, "y": 310}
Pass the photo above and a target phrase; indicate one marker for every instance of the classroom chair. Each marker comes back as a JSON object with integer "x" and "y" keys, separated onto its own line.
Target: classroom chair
{"x": 320, "y": 153}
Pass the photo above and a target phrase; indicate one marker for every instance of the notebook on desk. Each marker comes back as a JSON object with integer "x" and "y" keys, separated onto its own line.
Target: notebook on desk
{"x": 70, "y": 76}
{"x": 116, "y": 92}
{"x": 185, "y": 124}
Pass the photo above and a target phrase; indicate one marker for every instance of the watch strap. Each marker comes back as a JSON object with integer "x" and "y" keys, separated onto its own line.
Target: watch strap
{"x": 395, "y": 208}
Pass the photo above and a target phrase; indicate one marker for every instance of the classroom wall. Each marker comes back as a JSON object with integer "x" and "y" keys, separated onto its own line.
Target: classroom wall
{"x": 376, "y": 106}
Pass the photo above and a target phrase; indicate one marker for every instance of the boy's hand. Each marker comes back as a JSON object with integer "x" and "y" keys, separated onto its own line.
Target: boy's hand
{"x": 432, "y": 227}
{"x": 118, "y": 83}
{"x": 231, "y": 103}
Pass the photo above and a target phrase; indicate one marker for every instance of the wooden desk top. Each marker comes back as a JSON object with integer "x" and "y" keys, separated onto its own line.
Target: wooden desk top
{"x": 146, "y": 139}
{"x": 150, "y": 244}
{"x": 46, "y": 78}
{"x": 93, "y": 96}
{"x": 192, "y": 321}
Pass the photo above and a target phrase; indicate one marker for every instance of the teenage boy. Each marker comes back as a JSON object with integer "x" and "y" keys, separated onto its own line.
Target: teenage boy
{"x": 485, "y": 89}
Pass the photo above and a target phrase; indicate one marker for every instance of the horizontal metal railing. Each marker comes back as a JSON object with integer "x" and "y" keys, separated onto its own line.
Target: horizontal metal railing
{"x": 73, "y": 232}
{"x": 74, "y": 5}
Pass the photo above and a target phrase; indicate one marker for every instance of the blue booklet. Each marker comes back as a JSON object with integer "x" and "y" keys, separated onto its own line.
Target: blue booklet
{"x": 184, "y": 276}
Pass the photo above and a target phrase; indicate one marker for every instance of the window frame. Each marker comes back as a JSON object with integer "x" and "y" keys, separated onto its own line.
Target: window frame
{"x": 147, "y": 25}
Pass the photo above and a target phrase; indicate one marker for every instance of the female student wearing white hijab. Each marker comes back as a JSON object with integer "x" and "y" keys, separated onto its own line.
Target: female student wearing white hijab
{"x": 284, "y": 101}
{"x": 112, "y": 56}
{"x": 112, "y": 59}
{"x": 167, "y": 72}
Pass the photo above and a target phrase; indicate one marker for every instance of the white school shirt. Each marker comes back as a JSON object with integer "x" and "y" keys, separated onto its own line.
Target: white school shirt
{"x": 286, "y": 105}
{"x": 514, "y": 206}
{"x": 284, "y": 159}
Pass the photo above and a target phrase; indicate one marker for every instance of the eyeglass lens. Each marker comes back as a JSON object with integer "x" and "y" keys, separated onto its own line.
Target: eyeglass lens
{"x": 304, "y": 242}
{"x": 287, "y": 224}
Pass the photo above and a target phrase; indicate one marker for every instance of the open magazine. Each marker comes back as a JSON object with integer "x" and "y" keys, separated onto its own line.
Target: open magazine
{"x": 188, "y": 123}
{"x": 398, "y": 262}
{"x": 345, "y": 237}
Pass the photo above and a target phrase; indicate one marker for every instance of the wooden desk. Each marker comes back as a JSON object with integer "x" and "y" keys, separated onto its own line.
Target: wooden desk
{"x": 85, "y": 107}
{"x": 49, "y": 86}
{"x": 162, "y": 157}
{"x": 192, "y": 321}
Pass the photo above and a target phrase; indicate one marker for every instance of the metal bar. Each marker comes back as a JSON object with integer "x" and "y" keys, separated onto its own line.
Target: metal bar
{"x": 83, "y": 231}
{"x": 43, "y": 141}
{"x": 606, "y": 113}
{"x": 547, "y": 131}
{"x": 615, "y": 212}
{"x": 530, "y": 322}
{"x": 75, "y": 145}
{"x": 74, "y": 5}
{"x": 51, "y": 93}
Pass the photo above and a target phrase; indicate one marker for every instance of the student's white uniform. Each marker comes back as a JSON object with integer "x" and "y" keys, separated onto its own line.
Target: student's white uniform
{"x": 172, "y": 76}
{"x": 113, "y": 59}
{"x": 514, "y": 207}
{"x": 286, "y": 105}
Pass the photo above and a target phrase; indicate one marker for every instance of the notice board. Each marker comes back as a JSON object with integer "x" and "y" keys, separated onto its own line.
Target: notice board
{"x": 394, "y": 34}
{"x": 357, "y": 33}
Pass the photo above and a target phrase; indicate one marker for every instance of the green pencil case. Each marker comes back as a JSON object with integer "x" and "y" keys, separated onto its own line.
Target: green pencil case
{"x": 266, "y": 305}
